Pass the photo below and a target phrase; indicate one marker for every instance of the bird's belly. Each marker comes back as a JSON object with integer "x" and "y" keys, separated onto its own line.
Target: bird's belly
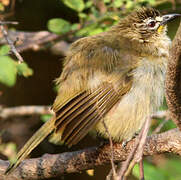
{"x": 125, "y": 118}
{"x": 146, "y": 95}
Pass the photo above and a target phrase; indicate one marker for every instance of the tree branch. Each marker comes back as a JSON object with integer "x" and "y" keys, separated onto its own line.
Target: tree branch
{"x": 49, "y": 166}
{"x": 24, "y": 110}
{"x": 35, "y": 109}
{"x": 37, "y": 41}
{"x": 173, "y": 80}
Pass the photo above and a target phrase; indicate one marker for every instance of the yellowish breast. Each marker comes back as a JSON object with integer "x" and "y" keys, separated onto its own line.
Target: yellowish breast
{"x": 146, "y": 95}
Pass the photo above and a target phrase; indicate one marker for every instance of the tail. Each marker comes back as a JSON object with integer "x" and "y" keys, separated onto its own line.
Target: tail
{"x": 34, "y": 141}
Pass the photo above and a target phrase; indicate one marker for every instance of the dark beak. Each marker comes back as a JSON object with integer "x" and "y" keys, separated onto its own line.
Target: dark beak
{"x": 169, "y": 17}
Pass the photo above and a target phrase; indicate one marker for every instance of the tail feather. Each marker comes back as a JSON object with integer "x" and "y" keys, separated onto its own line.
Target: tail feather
{"x": 34, "y": 141}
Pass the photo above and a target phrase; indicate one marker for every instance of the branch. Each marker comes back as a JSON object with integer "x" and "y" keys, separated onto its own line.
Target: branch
{"x": 37, "y": 41}
{"x": 9, "y": 41}
{"x": 24, "y": 110}
{"x": 49, "y": 166}
{"x": 173, "y": 80}
{"x": 34, "y": 109}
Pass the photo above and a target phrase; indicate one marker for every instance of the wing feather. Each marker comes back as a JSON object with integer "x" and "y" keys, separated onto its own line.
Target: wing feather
{"x": 101, "y": 109}
{"x": 85, "y": 116}
{"x": 79, "y": 115}
{"x": 69, "y": 115}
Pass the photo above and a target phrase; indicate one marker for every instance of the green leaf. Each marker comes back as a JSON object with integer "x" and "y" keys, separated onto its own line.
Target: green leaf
{"x": 59, "y": 26}
{"x": 8, "y": 71}
{"x": 107, "y": 1}
{"x": 24, "y": 70}
{"x": 150, "y": 172}
{"x": 88, "y": 4}
{"x": 169, "y": 125}
{"x": 45, "y": 117}
{"x": 77, "y": 5}
{"x": 85, "y": 31}
{"x": 95, "y": 12}
{"x": 118, "y": 3}
{"x": 95, "y": 31}
{"x": 129, "y": 4}
{"x": 4, "y": 50}
{"x": 75, "y": 26}
{"x": 171, "y": 169}
{"x": 2, "y": 8}
{"x": 82, "y": 15}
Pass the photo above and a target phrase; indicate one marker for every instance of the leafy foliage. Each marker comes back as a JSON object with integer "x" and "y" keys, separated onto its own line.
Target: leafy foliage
{"x": 169, "y": 170}
{"x": 59, "y": 26}
{"x": 151, "y": 172}
{"x": 24, "y": 70}
{"x": 95, "y": 16}
{"x": 8, "y": 71}
{"x": 77, "y": 5}
{"x": 45, "y": 117}
{"x": 9, "y": 68}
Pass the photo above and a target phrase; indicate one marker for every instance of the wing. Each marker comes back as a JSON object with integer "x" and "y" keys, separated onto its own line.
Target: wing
{"x": 93, "y": 80}
{"x": 84, "y": 111}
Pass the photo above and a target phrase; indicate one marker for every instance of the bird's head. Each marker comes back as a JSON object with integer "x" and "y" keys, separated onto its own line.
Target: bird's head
{"x": 145, "y": 23}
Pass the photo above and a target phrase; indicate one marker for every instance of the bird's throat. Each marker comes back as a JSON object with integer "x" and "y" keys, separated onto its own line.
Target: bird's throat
{"x": 160, "y": 29}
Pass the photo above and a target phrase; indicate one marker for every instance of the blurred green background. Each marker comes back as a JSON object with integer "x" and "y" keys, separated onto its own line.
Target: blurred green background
{"x": 31, "y": 83}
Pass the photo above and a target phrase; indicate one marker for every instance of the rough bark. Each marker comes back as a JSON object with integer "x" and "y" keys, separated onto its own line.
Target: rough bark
{"x": 49, "y": 166}
{"x": 173, "y": 80}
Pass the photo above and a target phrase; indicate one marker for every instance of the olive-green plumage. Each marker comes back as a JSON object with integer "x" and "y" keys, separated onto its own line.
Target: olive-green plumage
{"x": 117, "y": 76}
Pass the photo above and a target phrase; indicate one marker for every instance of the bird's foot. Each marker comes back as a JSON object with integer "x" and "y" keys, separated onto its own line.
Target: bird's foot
{"x": 125, "y": 142}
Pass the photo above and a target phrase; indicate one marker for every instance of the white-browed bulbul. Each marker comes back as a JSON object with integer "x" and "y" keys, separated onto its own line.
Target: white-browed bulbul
{"x": 116, "y": 75}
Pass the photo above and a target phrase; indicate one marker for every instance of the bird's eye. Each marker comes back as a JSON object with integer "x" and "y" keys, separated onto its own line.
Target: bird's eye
{"x": 151, "y": 24}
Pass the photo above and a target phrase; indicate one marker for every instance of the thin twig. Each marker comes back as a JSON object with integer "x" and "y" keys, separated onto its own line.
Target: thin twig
{"x": 9, "y": 41}
{"x": 160, "y": 114}
{"x": 125, "y": 164}
{"x": 160, "y": 126}
{"x": 142, "y": 139}
{"x": 110, "y": 174}
{"x": 141, "y": 170}
{"x": 136, "y": 157}
{"x": 8, "y": 22}
{"x": 112, "y": 150}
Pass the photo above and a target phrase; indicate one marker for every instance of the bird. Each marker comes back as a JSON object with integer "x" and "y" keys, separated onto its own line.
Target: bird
{"x": 113, "y": 79}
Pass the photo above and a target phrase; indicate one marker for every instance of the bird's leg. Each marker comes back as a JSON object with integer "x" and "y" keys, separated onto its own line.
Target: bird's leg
{"x": 124, "y": 143}
{"x": 103, "y": 141}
